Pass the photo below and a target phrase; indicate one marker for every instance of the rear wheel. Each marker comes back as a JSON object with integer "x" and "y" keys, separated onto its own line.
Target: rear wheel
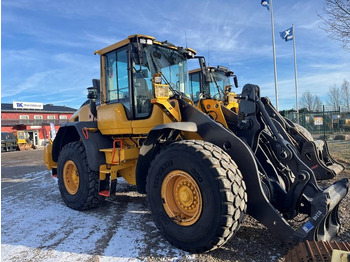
{"x": 196, "y": 194}
{"x": 77, "y": 183}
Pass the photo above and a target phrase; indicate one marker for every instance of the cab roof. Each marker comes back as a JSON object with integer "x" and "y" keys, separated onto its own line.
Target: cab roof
{"x": 131, "y": 38}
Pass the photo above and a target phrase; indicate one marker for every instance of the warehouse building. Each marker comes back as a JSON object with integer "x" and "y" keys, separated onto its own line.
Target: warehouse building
{"x": 34, "y": 118}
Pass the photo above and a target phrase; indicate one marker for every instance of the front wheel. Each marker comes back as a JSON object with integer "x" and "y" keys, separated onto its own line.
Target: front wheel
{"x": 196, "y": 195}
{"x": 77, "y": 183}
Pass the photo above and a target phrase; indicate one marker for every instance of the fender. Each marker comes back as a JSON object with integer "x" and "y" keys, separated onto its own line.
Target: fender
{"x": 93, "y": 141}
{"x": 151, "y": 146}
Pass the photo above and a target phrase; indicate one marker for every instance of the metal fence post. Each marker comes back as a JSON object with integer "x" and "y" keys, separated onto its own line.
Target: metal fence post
{"x": 324, "y": 123}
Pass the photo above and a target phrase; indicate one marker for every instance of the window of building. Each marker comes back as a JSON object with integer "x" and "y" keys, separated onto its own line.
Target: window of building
{"x": 51, "y": 117}
{"x": 63, "y": 117}
{"x": 23, "y": 117}
{"x": 38, "y": 117}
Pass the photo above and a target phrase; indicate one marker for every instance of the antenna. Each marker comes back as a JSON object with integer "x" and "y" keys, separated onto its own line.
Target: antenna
{"x": 208, "y": 53}
{"x": 186, "y": 38}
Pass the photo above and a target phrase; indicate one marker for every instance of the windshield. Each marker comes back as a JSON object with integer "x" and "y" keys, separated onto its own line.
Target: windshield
{"x": 218, "y": 83}
{"x": 171, "y": 62}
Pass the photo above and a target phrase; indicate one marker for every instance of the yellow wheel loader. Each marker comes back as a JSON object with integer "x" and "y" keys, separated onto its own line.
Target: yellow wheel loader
{"x": 200, "y": 178}
{"x": 214, "y": 83}
{"x": 210, "y": 83}
{"x": 23, "y": 140}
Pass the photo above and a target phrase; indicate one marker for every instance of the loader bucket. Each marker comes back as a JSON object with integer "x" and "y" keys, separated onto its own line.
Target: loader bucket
{"x": 313, "y": 153}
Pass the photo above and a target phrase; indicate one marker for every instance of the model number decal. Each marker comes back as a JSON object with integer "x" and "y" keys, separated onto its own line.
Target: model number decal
{"x": 317, "y": 215}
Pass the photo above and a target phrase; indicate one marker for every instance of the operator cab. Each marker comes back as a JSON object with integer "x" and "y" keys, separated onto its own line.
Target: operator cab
{"x": 127, "y": 70}
{"x": 215, "y": 83}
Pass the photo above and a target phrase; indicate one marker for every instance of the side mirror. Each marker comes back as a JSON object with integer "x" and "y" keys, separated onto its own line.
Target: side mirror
{"x": 92, "y": 93}
{"x": 203, "y": 67}
{"x": 92, "y": 96}
{"x": 235, "y": 80}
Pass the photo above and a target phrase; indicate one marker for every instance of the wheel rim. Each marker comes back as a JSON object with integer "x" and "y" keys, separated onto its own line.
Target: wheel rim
{"x": 182, "y": 199}
{"x": 71, "y": 177}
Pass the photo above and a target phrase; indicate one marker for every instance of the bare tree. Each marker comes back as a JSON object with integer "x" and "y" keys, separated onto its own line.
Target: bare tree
{"x": 337, "y": 20}
{"x": 310, "y": 102}
{"x": 345, "y": 90}
{"x": 334, "y": 97}
{"x": 318, "y": 104}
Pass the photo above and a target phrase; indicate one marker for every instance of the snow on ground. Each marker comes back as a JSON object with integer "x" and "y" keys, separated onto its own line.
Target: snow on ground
{"x": 37, "y": 226}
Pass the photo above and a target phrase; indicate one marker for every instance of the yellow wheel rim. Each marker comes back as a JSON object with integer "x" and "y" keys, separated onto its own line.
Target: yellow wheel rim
{"x": 71, "y": 177}
{"x": 182, "y": 199}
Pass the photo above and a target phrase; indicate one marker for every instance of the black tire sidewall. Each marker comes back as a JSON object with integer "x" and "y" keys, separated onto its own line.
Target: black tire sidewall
{"x": 75, "y": 152}
{"x": 205, "y": 229}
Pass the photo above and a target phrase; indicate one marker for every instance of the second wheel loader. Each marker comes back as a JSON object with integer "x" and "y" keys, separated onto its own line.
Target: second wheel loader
{"x": 200, "y": 178}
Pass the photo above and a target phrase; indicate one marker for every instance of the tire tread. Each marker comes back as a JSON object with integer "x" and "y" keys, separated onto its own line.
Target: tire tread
{"x": 231, "y": 187}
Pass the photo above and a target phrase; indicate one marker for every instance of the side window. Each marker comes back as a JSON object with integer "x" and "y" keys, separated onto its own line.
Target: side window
{"x": 195, "y": 87}
{"x": 143, "y": 93}
{"x": 117, "y": 83}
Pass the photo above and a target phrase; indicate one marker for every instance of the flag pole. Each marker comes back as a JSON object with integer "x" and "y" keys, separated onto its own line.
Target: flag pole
{"x": 295, "y": 75}
{"x": 274, "y": 53}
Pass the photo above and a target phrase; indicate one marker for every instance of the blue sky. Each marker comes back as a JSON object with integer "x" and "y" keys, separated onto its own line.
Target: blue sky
{"x": 47, "y": 46}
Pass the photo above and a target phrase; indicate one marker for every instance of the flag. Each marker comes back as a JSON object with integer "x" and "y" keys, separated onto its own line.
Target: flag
{"x": 53, "y": 131}
{"x": 287, "y": 34}
{"x": 266, "y": 3}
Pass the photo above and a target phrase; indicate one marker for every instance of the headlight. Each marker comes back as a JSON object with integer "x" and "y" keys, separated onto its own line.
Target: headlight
{"x": 146, "y": 41}
{"x": 231, "y": 98}
{"x": 157, "y": 79}
{"x": 161, "y": 91}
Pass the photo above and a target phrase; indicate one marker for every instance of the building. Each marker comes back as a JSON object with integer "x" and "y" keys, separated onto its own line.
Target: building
{"x": 34, "y": 119}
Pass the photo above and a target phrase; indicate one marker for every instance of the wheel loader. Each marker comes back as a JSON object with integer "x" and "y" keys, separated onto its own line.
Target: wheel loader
{"x": 215, "y": 83}
{"x": 200, "y": 177}
{"x": 23, "y": 140}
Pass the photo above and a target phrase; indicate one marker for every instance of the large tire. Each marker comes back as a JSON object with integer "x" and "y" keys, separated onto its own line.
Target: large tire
{"x": 196, "y": 195}
{"x": 77, "y": 183}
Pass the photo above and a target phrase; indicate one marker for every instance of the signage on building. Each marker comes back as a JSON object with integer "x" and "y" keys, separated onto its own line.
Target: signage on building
{"x": 318, "y": 120}
{"x": 27, "y": 105}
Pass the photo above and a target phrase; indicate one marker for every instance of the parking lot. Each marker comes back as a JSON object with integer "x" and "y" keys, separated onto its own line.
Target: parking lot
{"x": 37, "y": 226}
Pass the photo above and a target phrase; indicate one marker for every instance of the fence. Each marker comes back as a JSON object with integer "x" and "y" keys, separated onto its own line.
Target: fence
{"x": 324, "y": 123}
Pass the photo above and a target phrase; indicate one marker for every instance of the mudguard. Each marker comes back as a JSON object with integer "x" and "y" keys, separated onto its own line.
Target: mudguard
{"x": 151, "y": 146}
{"x": 92, "y": 139}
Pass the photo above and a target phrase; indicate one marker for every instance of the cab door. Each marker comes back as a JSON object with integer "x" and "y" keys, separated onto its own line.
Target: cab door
{"x": 116, "y": 112}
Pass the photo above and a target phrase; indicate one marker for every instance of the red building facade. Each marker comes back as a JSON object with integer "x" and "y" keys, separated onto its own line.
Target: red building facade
{"x": 35, "y": 120}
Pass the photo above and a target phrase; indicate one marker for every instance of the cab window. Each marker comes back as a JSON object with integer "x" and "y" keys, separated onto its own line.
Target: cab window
{"x": 117, "y": 83}
{"x": 142, "y": 81}
{"x": 195, "y": 87}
